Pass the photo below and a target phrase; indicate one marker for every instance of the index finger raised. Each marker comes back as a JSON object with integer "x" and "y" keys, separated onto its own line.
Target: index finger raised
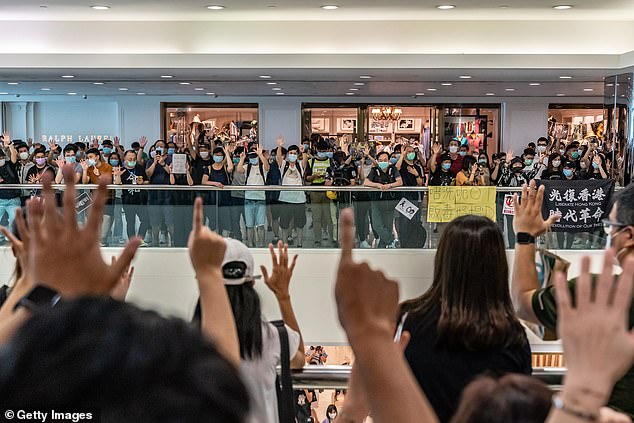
{"x": 346, "y": 234}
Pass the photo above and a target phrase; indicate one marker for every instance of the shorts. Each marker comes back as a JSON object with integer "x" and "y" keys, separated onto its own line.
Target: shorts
{"x": 292, "y": 211}
{"x": 161, "y": 214}
{"x": 254, "y": 213}
{"x": 276, "y": 209}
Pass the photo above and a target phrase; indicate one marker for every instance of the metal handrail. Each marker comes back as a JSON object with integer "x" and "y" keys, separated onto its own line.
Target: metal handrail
{"x": 354, "y": 188}
{"x": 336, "y": 377}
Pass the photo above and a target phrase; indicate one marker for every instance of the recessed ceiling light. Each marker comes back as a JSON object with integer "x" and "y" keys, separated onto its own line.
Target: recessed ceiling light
{"x": 4, "y": 93}
{"x": 13, "y": 83}
{"x": 272, "y": 6}
{"x": 560, "y": 95}
{"x": 210, "y": 93}
{"x": 199, "y": 89}
{"x": 445, "y": 6}
{"x": 140, "y": 93}
{"x": 68, "y": 76}
{"x": 534, "y": 84}
{"x": 366, "y": 77}
{"x": 277, "y": 89}
{"x": 565, "y": 77}
{"x": 420, "y": 93}
{"x": 359, "y": 84}
{"x": 431, "y": 89}
{"x": 465, "y": 77}
{"x": 588, "y": 89}
{"x": 609, "y": 85}
{"x": 271, "y": 83}
{"x": 562, "y": 7}
{"x": 100, "y": 7}
{"x": 43, "y": 6}
{"x": 509, "y": 89}
{"x": 353, "y": 89}
{"x": 123, "y": 89}
{"x": 490, "y": 94}
{"x": 265, "y": 77}
{"x": 280, "y": 94}
{"x": 97, "y": 83}
{"x": 45, "y": 89}
{"x": 504, "y": 6}
{"x": 71, "y": 93}
{"x": 167, "y": 76}
{"x": 185, "y": 83}
{"x": 330, "y": 7}
{"x": 446, "y": 84}
{"x": 349, "y": 93}
{"x": 215, "y": 7}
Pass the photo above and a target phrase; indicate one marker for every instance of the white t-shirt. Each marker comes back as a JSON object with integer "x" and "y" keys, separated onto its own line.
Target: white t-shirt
{"x": 292, "y": 178}
{"x": 255, "y": 178}
{"x": 259, "y": 375}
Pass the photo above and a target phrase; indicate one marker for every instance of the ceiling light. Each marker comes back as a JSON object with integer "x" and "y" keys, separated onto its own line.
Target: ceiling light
{"x": 565, "y": 77}
{"x": 210, "y": 93}
{"x": 446, "y": 84}
{"x": 277, "y": 89}
{"x": 265, "y": 77}
{"x": 359, "y": 84}
{"x": 349, "y": 93}
{"x": 97, "y": 83}
{"x": 45, "y": 89}
{"x": 280, "y": 94}
{"x": 366, "y": 77}
{"x": 68, "y": 76}
{"x": 465, "y": 77}
{"x": 184, "y": 83}
{"x": 13, "y": 83}
{"x": 43, "y": 6}
{"x": 167, "y": 76}
{"x": 330, "y": 7}
{"x": 71, "y": 93}
{"x": 609, "y": 85}
{"x": 445, "y": 6}
{"x": 588, "y": 89}
{"x": 123, "y": 89}
{"x": 199, "y": 89}
{"x": 534, "y": 84}
{"x": 100, "y": 7}
{"x": 353, "y": 89}
{"x": 4, "y": 93}
{"x": 490, "y": 94}
{"x": 420, "y": 93}
{"x": 140, "y": 93}
{"x": 509, "y": 89}
{"x": 271, "y": 83}
{"x": 560, "y": 95}
{"x": 215, "y": 7}
{"x": 562, "y": 7}
{"x": 431, "y": 89}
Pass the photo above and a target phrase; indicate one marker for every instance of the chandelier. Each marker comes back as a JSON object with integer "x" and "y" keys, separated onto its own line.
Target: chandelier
{"x": 386, "y": 113}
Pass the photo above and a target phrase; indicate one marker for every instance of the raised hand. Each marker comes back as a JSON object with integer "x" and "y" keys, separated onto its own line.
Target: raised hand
{"x": 117, "y": 171}
{"x": 280, "y": 141}
{"x": 7, "y": 139}
{"x": 84, "y": 164}
{"x": 64, "y": 256}
{"x": 29, "y": 142}
{"x": 20, "y": 246}
{"x": 116, "y": 141}
{"x": 122, "y": 287}
{"x": 435, "y": 148}
{"x": 60, "y": 162}
{"x": 367, "y": 301}
{"x": 528, "y": 211}
{"x": 143, "y": 142}
{"x": 206, "y": 248}
{"x": 279, "y": 279}
{"x": 52, "y": 145}
{"x": 509, "y": 156}
{"x": 598, "y": 343}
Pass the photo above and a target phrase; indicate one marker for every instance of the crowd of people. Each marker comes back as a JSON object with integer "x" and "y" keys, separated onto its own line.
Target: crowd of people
{"x": 258, "y": 216}
{"x": 460, "y": 353}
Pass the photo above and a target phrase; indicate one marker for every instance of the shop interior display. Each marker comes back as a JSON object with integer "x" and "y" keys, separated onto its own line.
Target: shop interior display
{"x": 575, "y": 124}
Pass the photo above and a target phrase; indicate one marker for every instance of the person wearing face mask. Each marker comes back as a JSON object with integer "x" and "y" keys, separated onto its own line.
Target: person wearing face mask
{"x": 484, "y": 169}
{"x": 331, "y": 414}
{"x": 161, "y": 202}
{"x": 570, "y": 171}
{"x": 9, "y": 198}
{"x": 469, "y": 175}
{"x": 512, "y": 176}
{"x": 597, "y": 170}
{"x": 573, "y": 155}
{"x": 255, "y": 201}
{"x": 292, "y": 203}
{"x": 442, "y": 176}
{"x": 22, "y": 165}
{"x": 531, "y": 167}
{"x": 553, "y": 171}
{"x": 219, "y": 202}
{"x": 237, "y": 196}
{"x": 200, "y": 160}
{"x": 412, "y": 233}
{"x": 69, "y": 158}
{"x": 134, "y": 200}
{"x": 455, "y": 157}
{"x": 93, "y": 168}
{"x": 319, "y": 202}
{"x": 107, "y": 148}
{"x": 539, "y": 305}
{"x": 363, "y": 216}
{"x": 171, "y": 149}
{"x": 384, "y": 177}
{"x": 114, "y": 160}
{"x": 42, "y": 170}
{"x": 341, "y": 173}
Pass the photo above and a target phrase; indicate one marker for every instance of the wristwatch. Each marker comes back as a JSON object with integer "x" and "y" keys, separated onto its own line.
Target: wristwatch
{"x": 39, "y": 297}
{"x": 524, "y": 238}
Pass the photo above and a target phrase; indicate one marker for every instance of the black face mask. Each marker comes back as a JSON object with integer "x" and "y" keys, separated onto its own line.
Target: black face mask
{"x": 518, "y": 170}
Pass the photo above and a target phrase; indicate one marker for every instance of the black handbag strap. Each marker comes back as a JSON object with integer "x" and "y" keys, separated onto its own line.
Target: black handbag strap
{"x": 284, "y": 383}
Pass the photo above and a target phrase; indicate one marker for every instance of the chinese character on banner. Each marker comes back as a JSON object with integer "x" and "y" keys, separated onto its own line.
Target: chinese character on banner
{"x": 581, "y": 204}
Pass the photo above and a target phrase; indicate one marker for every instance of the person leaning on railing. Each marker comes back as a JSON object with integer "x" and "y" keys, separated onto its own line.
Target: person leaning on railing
{"x": 134, "y": 200}
{"x": 292, "y": 203}
{"x": 9, "y": 198}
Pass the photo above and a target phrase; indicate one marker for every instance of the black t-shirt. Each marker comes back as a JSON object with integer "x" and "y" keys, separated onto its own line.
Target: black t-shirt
{"x": 341, "y": 175}
{"x": 552, "y": 176}
{"x": 198, "y": 167}
{"x": 218, "y": 176}
{"x": 593, "y": 175}
{"x": 409, "y": 180}
{"x": 302, "y": 406}
{"x": 441, "y": 178}
{"x": 35, "y": 171}
{"x": 443, "y": 374}
{"x": 130, "y": 177}
{"x": 9, "y": 175}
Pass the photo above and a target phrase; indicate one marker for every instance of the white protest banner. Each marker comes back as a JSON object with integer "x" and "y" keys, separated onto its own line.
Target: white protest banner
{"x": 406, "y": 208}
{"x": 179, "y": 163}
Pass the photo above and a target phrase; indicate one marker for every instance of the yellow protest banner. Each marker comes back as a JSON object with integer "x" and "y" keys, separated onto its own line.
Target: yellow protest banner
{"x": 447, "y": 203}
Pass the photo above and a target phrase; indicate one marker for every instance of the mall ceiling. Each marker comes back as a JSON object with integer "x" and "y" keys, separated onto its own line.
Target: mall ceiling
{"x": 301, "y": 10}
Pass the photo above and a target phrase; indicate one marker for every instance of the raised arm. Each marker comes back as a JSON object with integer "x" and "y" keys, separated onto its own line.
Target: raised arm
{"x": 433, "y": 161}
{"x": 265, "y": 163}
{"x": 279, "y": 157}
{"x": 278, "y": 282}
{"x": 139, "y": 154}
{"x": 528, "y": 219}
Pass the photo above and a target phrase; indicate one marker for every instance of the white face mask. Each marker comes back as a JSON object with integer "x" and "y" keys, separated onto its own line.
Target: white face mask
{"x": 453, "y": 149}
{"x": 24, "y": 155}
{"x": 2, "y": 162}
{"x": 332, "y": 415}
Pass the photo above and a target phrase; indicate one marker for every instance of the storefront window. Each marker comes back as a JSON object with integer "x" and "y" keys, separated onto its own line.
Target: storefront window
{"x": 225, "y": 122}
{"x": 575, "y": 122}
{"x": 479, "y": 127}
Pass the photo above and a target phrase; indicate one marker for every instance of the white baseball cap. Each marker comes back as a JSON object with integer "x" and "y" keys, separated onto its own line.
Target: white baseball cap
{"x": 237, "y": 266}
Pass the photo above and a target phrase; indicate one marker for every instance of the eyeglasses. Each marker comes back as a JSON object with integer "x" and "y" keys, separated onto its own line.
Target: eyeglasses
{"x": 608, "y": 225}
